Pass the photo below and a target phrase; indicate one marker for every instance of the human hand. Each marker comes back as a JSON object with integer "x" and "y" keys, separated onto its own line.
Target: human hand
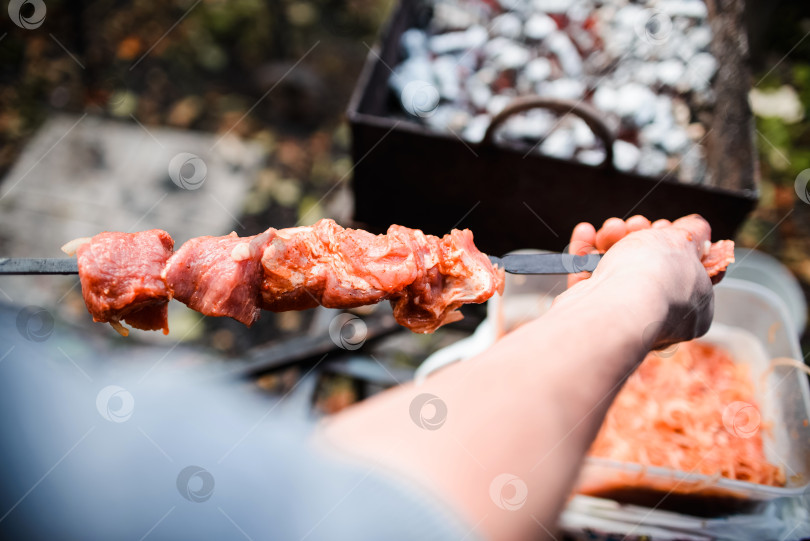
{"x": 671, "y": 263}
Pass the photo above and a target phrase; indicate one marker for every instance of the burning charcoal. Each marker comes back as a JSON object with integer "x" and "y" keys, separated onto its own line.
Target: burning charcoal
{"x": 583, "y": 135}
{"x": 552, "y": 6}
{"x": 645, "y": 73}
{"x": 533, "y": 125}
{"x": 644, "y": 49}
{"x": 473, "y": 37}
{"x": 634, "y": 71}
{"x": 448, "y": 118}
{"x": 636, "y": 103}
{"x": 683, "y": 49}
{"x": 539, "y": 26}
{"x": 700, "y": 71}
{"x": 669, "y": 72}
{"x": 700, "y": 37}
{"x": 568, "y": 56}
{"x": 675, "y": 141}
{"x": 449, "y": 16}
{"x": 703, "y": 98}
{"x": 478, "y": 92}
{"x": 583, "y": 39}
{"x": 487, "y": 75}
{"x": 591, "y": 156}
{"x": 646, "y": 61}
{"x": 497, "y": 103}
{"x": 567, "y": 89}
{"x": 579, "y": 12}
{"x": 507, "y": 54}
{"x": 538, "y": 69}
{"x": 414, "y": 42}
{"x": 605, "y": 98}
{"x": 692, "y": 168}
{"x": 653, "y": 135}
{"x": 695, "y": 9}
{"x": 680, "y": 111}
{"x": 445, "y": 70}
{"x": 632, "y": 29}
{"x": 652, "y": 163}
{"x": 476, "y": 128}
{"x": 625, "y": 155}
{"x": 516, "y": 6}
{"x": 559, "y": 144}
{"x": 413, "y": 69}
{"x": 507, "y": 25}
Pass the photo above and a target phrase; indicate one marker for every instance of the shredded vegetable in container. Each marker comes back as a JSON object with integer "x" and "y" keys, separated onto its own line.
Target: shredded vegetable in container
{"x": 691, "y": 409}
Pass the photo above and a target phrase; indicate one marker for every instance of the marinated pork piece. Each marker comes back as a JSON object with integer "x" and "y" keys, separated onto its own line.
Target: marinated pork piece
{"x": 719, "y": 257}
{"x": 426, "y": 278}
{"x": 219, "y": 276}
{"x": 121, "y": 279}
{"x": 452, "y": 272}
{"x": 327, "y": 265}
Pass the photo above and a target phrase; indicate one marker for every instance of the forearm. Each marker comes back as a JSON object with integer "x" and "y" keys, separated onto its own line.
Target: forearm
{"x": 529, "y": 406}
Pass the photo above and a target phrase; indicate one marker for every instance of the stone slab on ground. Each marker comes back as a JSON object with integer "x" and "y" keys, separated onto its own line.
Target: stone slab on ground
{"x": 80, "y": 175}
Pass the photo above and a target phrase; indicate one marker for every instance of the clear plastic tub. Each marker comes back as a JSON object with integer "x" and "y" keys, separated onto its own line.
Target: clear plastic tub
{"x": 752, "y": 323}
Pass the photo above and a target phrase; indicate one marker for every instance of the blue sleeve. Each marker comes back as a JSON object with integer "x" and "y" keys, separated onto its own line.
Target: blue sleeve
{"x": 88, "y": 452}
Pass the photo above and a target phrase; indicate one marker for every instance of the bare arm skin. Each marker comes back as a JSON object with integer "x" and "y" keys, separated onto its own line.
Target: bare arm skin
{"x": 532, "y": 404}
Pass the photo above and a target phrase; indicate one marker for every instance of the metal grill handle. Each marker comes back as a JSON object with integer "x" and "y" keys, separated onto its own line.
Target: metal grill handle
{"x": 591, "y": 116}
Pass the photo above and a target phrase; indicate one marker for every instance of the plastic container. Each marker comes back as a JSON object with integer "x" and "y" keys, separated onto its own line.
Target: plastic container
{"x": 753, "y": 324}
{"x": 765, "y": 270}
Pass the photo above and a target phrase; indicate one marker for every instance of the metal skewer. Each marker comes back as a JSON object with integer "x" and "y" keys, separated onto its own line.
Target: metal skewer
{"x": 39, "y": 265}
{"x": 513, "y": 264}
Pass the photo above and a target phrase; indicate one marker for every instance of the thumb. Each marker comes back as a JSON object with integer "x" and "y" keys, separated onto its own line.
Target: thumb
{"x": 698, "y": 231}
